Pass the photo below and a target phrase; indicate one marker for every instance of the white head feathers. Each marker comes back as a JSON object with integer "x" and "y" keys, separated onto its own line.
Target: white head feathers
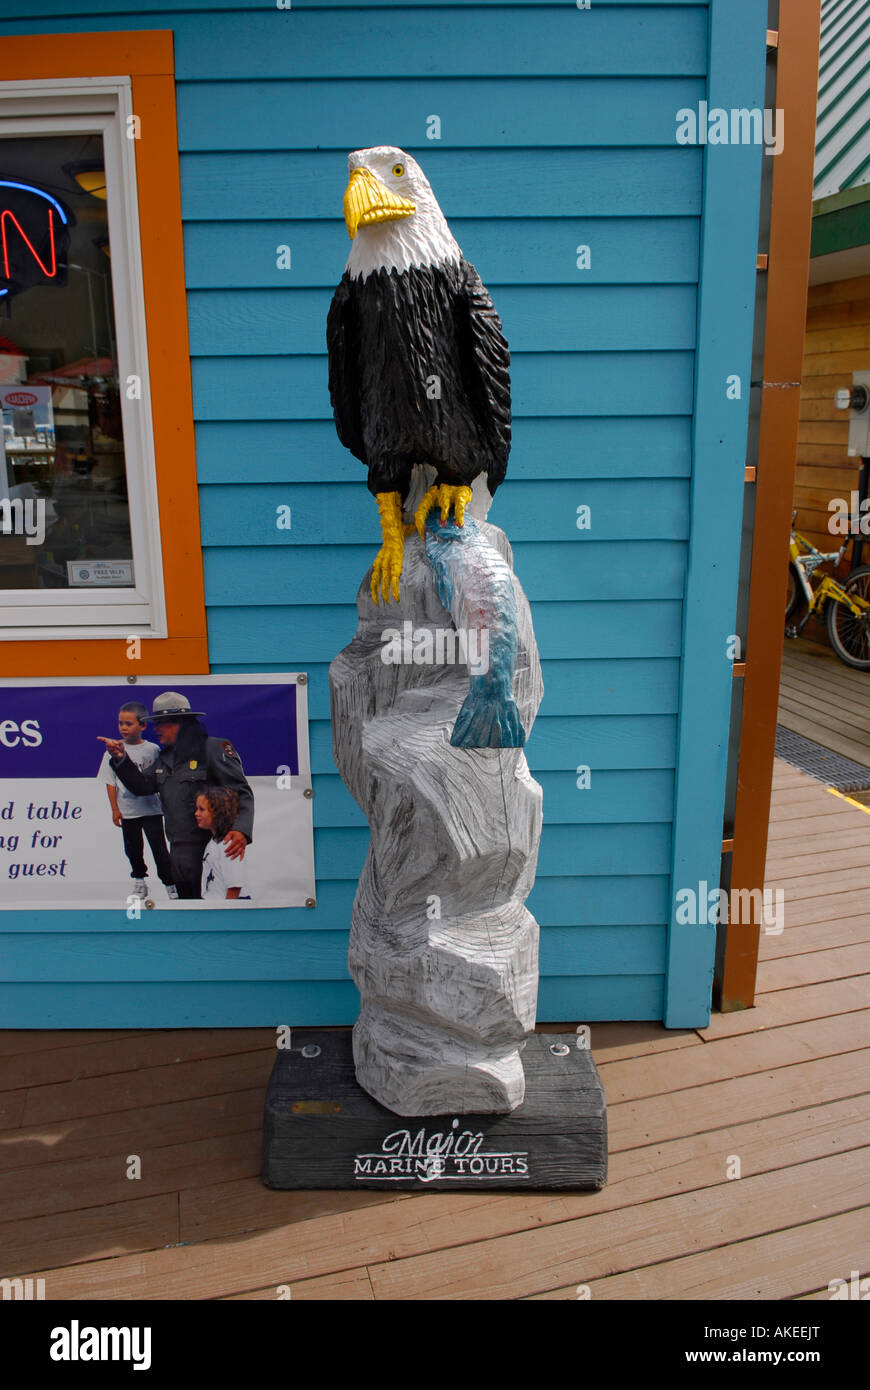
{"x": 423, "y": 239}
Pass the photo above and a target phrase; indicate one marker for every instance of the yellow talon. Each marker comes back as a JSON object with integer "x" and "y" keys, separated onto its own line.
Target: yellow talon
{"x": 443, "y": 495}
{"x": 388, "y": 561}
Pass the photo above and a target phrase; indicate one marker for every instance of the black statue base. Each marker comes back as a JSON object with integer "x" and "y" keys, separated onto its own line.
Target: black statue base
{"x": 322, "y": 1130}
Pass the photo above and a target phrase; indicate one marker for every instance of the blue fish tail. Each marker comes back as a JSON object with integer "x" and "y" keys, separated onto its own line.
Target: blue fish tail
{"x": 475, "y": 585}
{"x": 489, "y": 718}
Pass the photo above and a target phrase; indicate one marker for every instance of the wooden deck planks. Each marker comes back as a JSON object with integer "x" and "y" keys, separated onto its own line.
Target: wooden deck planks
{"x": 795, "y": 807}
{"x": 797, "y": 1005}
{"x": 97, "y": 1233}
{"x": 816, "y": 936}
{"x": 852, "y": 844}
{"x": 822, "y": 909}
{"x": 693, "y": 1111}
{"x": 821, "y": 882}
{"x": 850, "y": 716}
{"x": 74, "y": 1184}
{"x": 224, "y": 1209}
{"x": 823, "y": 689}
{"x": 845, "y": 734}
{"x": 11, "y": 1109}
{"x": 728, "y": 1057}
{"x": 455, "y": 1245}
{"x": 815, "y": 860}
{"x": 769, "y": 1267}
{"x": 781, "y": 834}
{"x": 346, "y": 1285}
{"x": 65, "y": 1140}
{"x": 103, "y": 1055}
{"x": 838, "y": 963}
{"x": 825, "y": 700}
{"x": 594, "y": 1246}
{"x": 321, "y": 1245}
{"x": 147, "y": 1086}
{"x": 819, "y": 862}
{"x": 612, "y": 1042}
{"x": 781, "y": 1086}
{"x": 334, "y": 1238}
{"x": 30, "y": 1040}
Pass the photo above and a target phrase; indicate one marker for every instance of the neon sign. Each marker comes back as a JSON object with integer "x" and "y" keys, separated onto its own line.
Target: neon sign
{"x": 34, "y": 237}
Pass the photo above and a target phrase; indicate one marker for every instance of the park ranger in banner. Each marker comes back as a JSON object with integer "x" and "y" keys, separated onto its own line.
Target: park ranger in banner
{"x": 189, "y": 760}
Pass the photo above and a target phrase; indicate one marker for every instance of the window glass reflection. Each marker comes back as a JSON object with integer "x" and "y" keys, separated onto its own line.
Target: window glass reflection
{"x": 64, "y": 514}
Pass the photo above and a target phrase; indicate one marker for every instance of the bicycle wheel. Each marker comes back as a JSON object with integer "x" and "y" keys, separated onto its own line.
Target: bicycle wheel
{"x": 850, "y": 636}
{"x": 794, "y": 593}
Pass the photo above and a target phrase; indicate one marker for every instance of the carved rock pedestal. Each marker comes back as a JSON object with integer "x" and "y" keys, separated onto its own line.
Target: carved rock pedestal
{"x": 442, "y": 948}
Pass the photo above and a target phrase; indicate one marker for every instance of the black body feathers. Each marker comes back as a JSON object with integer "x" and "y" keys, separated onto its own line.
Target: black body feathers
{"x": 419, "y": 373}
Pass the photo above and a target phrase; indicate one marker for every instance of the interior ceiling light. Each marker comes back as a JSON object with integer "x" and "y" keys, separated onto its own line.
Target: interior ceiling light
{"x": 90, "y": 175}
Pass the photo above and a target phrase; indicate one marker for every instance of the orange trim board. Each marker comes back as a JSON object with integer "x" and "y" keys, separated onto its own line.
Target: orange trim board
{"x": 146, "y": 57}
{"x": 797, "y": 68}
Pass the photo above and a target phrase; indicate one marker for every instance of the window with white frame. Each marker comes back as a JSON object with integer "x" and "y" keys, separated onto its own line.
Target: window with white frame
{"x": 79, "y": 532}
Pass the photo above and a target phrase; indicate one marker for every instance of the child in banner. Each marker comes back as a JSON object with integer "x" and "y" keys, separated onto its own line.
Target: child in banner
{"x": 138, "y": 814}
{"x": 222, "y": 877}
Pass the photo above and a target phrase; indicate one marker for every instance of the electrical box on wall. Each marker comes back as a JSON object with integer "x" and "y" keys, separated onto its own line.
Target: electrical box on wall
{"x": 857, "y": 402}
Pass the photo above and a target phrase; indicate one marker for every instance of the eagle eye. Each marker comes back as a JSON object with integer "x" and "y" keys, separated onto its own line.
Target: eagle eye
{"x": 398, "y": 170}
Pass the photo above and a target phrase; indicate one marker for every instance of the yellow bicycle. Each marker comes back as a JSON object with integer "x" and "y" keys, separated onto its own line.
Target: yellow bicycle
{"x": 846, "y": 605}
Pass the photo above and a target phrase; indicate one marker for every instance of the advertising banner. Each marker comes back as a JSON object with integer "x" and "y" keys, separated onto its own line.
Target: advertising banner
{"x": 216, "y": 813}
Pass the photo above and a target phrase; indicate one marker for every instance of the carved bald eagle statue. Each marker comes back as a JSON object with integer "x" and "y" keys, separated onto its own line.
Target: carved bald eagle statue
{"x": 418, "y": 363}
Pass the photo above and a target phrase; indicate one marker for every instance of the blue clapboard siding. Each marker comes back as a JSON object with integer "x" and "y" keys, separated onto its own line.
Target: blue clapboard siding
{"x": 625, "y": 741}
{"x": 253, "y": 955}
{"x": 475, "y": 113}
{"x": 601, "y": 569}
{"x": 606, "y": 900}
{"x": 575, "y": 318}
{"x": 627, "y": 687}
{"x": 118, "y": 9}
{"x": 247, "y": 1004}
{"x": 563, "y": 629}
{"x": 526, "y": 510}
{"x": 566, "y": 849}
{"x": 637, "y": 249}
{"x": 609, "y": 741}
{"x": 255, "y": 43}
{"x": 557, "y": 132}
{"x": 646, "y": 792}
{"x": 557, "y": 183}
{"x": 295, "y": 450}
{"x": 544, "y": 383}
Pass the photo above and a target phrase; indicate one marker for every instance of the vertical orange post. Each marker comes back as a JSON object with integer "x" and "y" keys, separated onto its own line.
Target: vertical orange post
{"x": 788, "y": 272}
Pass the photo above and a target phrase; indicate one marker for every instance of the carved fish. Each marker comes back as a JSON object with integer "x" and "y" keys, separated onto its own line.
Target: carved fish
{"x": 475, "y": 584}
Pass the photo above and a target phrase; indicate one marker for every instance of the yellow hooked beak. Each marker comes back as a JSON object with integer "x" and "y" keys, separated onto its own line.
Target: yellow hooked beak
{"x": 367, "y": 200}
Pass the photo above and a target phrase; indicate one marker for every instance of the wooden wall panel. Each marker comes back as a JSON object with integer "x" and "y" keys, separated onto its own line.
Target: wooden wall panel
{"x": 837, "y": 343}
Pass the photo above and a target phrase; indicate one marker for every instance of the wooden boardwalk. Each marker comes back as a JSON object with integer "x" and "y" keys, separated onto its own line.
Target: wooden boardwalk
{"x": 781, "y": 1088}
{"x": 825, "y": 700}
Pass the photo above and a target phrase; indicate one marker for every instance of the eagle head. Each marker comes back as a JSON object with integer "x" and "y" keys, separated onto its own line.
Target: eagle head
{"x": 392, "y": 215}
